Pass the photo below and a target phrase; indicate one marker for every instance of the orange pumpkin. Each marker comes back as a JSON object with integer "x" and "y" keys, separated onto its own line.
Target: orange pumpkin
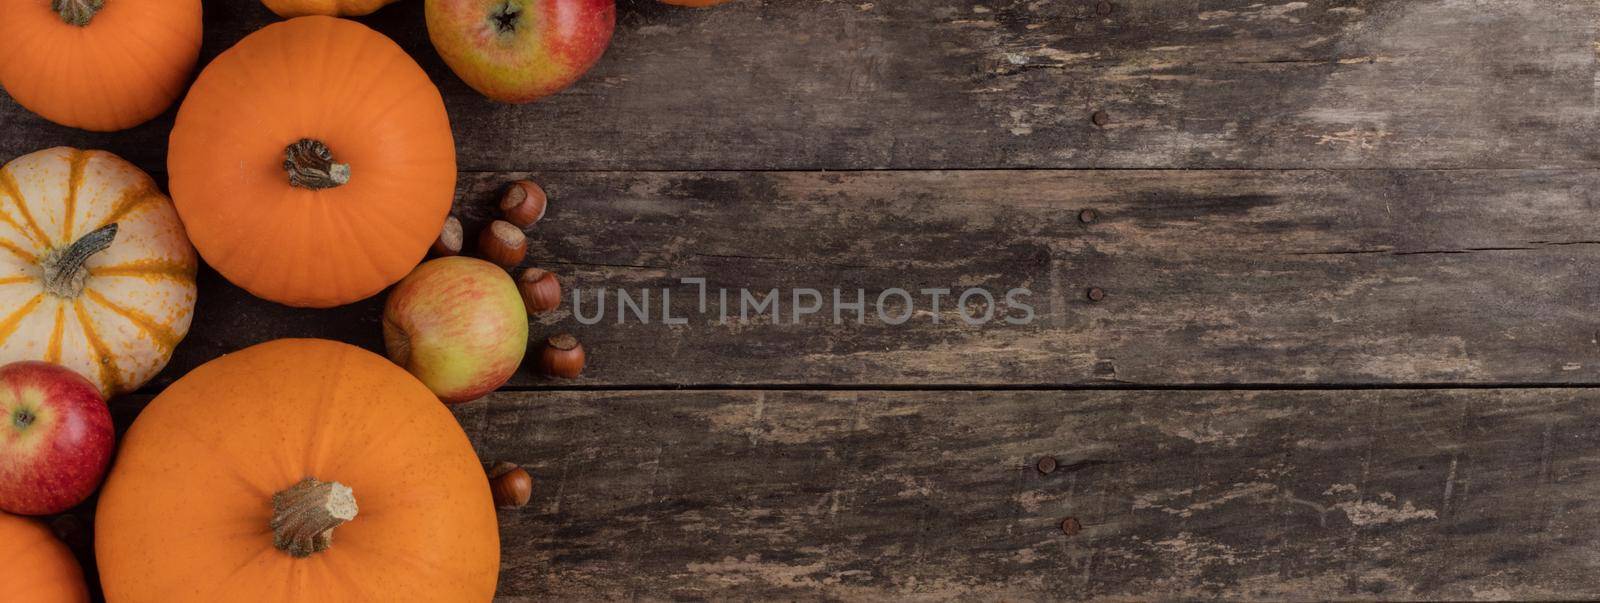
{"x": 297, "y": 470}
{"x": 345, "y": 8}
{"x": 98, "y": 64}
{"x": 313, "y": 162}
{"x": 38, "y": 568}
{"x": 95, "y": 271}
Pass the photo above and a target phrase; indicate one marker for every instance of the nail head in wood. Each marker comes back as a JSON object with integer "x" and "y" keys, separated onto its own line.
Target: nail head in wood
{"x": 1088, "y": 216}
{"x": 1099, "y": 118}
{"x": 1046, "y": 465}
{"x": 1070, "y": 526}
{"x": 1103, "y": 7}
{"x": 1096, "y": 294}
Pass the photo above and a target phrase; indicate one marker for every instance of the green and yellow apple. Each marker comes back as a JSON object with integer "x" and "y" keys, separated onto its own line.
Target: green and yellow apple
{"x": 458, "y": 324}
{"x": 517, "y": 51}
{"x": 55, "y": 438}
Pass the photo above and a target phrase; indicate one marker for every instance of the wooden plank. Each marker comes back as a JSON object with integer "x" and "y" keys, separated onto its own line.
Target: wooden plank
{"x": 1217, "y": 277}
{"x": 1265, "y": 495}
{"x": 922, "y": 495}
{"x": 917, "y": 84}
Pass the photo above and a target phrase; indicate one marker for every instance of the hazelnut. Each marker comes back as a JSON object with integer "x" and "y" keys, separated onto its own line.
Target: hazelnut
{"x": 450, "y": 239}
{"x": 503, "y": 243}
{"x": 523, "y": 203}
{"x": 541, "y": 291}
{"x": 510, "y": 484}
{"x": 562, "y": 357}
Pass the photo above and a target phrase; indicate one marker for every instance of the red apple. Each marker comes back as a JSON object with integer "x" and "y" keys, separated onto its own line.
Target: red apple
{"x": 518, "y": 51}
{"x": 55, "y": 438}
{"x": 458, "y": 324}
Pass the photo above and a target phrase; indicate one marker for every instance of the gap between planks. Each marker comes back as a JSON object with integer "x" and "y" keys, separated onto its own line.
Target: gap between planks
{"x": 1007, "y": 387}
{"x": 1048, "y": 387}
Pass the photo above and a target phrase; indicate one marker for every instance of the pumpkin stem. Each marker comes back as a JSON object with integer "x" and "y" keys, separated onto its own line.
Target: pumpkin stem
{"x": 310, "y": 165}
{"x": 304, "y": 516}
{"x": 63, "y": 269}
{"x": 77, "y": 12}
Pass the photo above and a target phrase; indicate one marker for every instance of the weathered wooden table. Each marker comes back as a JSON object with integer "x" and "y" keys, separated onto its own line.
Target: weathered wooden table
{"x": 1345, "y": 343}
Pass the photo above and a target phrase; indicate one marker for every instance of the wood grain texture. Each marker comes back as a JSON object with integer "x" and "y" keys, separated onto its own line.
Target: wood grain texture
{"x": 1266, "y": 495}
{"x": 918, "y": 84}
{"x": 1212, "y": 277}
{"x": 935, "y": 495}
{"x": 1316, "y": 193}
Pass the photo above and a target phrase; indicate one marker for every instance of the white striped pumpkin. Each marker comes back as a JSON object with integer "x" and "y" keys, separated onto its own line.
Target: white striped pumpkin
{"x": 112, "y": 313}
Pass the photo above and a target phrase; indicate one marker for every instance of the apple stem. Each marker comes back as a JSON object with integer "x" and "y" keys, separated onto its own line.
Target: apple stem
{"x": 305, "y": 514}
{"x": 63, "y": 269}
{"x": 310, "y": 165}
{"x": 77, "y": 12}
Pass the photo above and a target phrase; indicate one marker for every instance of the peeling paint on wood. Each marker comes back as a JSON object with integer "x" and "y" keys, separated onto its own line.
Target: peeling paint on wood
{"x": 932, "y": 495}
